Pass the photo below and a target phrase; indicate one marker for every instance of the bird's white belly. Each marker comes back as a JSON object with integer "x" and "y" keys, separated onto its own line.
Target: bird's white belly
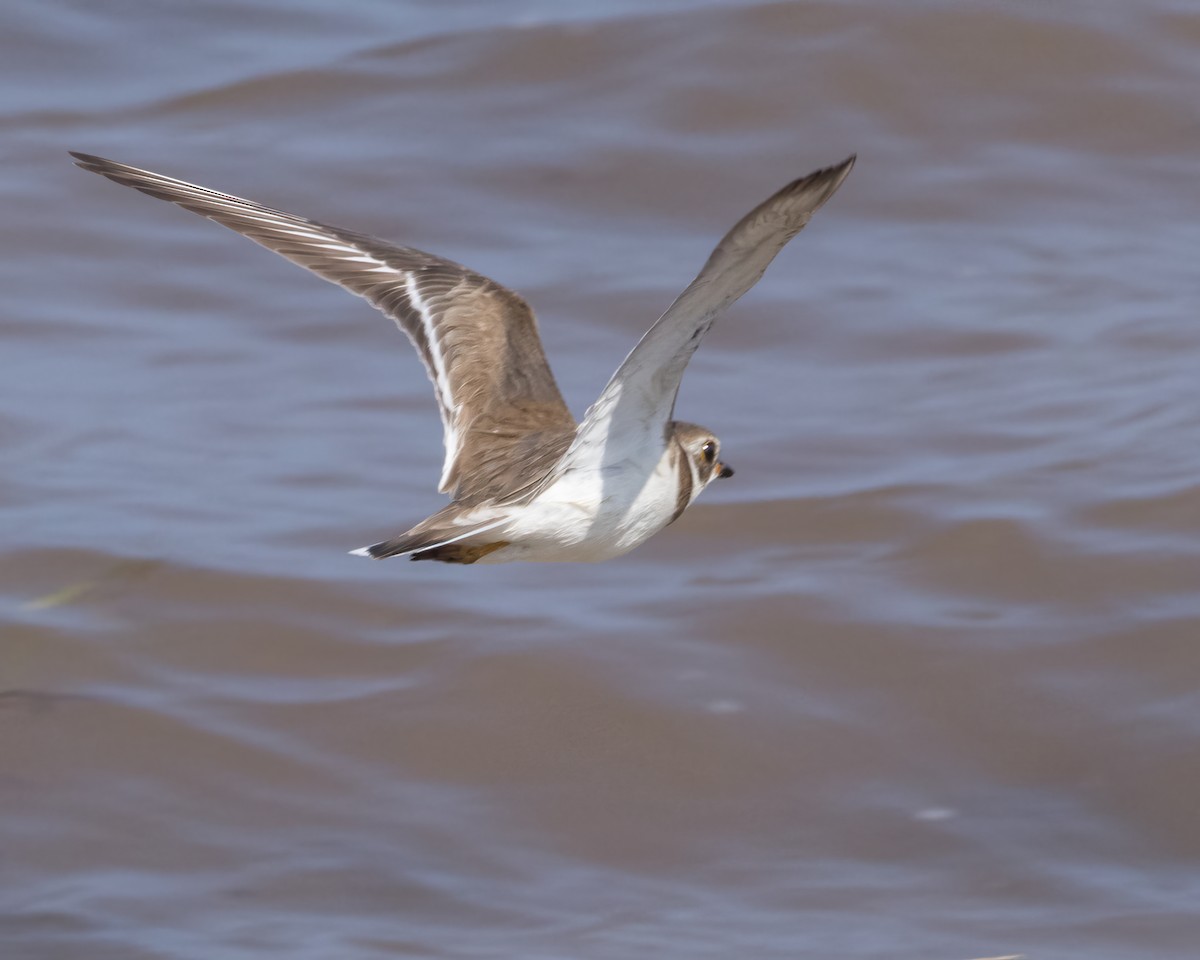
{"x": 593, "y": 515}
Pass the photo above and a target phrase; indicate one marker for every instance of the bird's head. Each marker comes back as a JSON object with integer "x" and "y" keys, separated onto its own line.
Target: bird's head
{"x": 703, "y": 452}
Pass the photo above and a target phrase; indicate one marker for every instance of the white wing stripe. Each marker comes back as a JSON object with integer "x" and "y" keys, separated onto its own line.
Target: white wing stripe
{"x": 431, "y": 336}
{"x": 441, "y": 381}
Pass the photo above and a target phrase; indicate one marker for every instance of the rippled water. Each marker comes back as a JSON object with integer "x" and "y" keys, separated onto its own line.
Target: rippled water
{"x": 921, "y": 681}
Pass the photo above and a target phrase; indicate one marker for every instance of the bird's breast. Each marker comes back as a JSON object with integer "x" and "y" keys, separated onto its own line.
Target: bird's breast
{"x": 602, "y": 513}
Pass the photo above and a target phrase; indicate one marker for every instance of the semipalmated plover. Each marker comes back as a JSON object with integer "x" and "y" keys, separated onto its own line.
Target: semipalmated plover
{"x": 526, "y": 482}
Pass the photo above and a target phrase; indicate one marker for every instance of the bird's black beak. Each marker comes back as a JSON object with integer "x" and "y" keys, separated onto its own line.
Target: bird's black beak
{"x": 724, "y": 470}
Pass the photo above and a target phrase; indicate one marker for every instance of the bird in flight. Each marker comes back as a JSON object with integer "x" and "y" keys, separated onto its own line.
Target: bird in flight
{"x": 526, "y": 481}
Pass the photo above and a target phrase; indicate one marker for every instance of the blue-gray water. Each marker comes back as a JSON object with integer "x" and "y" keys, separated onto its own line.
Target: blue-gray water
{"x": 920, "y": 682}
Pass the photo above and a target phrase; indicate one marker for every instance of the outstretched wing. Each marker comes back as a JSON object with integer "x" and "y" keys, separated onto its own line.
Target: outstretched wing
{"x": 638, "y": 402}
{"x": 478, "y": 340}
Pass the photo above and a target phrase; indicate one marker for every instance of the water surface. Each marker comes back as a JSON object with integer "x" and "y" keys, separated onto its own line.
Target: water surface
{"x": 919, "y": 682}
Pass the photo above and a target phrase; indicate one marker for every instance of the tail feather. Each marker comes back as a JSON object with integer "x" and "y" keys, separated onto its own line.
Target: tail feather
{"x": 396, "y": 547}
{"x": 425, "y": 544}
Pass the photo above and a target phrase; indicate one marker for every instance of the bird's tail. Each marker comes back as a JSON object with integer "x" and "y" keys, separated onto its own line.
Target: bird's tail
{"x": 434, "y": 541}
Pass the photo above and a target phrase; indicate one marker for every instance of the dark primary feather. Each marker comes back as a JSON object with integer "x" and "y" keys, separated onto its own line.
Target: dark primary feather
{"x": 499, "y": 394}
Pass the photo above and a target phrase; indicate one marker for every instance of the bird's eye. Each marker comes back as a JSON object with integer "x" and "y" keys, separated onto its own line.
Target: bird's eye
{"x": 708, "y": 451}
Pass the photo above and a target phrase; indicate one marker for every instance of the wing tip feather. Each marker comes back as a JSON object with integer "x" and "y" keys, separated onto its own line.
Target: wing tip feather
{"x": 823, "y": 183}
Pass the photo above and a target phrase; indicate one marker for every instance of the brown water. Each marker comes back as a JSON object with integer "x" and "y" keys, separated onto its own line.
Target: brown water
{"x": 922, "y": 681}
